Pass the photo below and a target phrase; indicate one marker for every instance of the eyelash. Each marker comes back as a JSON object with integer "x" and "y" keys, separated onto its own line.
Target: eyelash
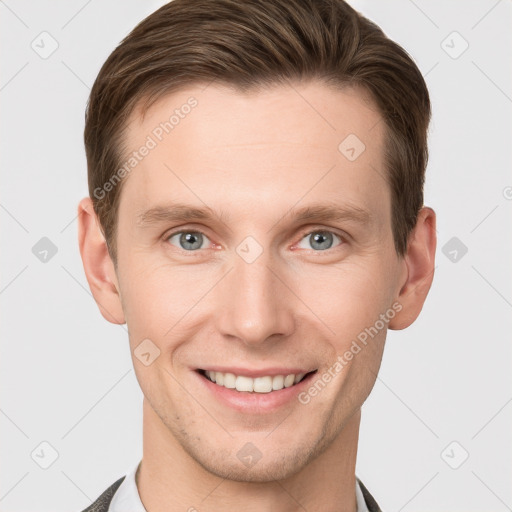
{"x": 302, "y": 236}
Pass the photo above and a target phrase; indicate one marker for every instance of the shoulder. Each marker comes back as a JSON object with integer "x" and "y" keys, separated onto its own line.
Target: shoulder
{"x": 368, "y": 498}
{"x": 103, "y": 501}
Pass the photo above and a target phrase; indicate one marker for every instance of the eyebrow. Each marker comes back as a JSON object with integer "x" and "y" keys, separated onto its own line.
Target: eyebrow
{"x": 179, "y": 212}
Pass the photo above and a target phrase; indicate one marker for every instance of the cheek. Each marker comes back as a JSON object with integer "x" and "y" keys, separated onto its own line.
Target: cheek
{"x": 347, "y": 298}
{"x": 165, "y": 304}
{"x": 154, "y": 297}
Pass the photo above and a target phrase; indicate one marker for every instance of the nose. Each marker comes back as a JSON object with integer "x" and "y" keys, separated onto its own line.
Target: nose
{"x": 254, "y": 303}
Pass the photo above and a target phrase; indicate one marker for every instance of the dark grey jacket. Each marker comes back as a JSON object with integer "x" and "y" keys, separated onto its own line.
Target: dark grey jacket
{"x": 103, "y": 501}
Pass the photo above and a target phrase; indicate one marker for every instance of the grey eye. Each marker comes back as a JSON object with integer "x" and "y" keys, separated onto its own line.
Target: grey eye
{"x": 188, "y": 240}
{"x": 320, "y": 240}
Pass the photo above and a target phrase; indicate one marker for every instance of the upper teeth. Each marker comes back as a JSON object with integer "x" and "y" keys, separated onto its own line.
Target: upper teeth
{"x": 258, "y": 385}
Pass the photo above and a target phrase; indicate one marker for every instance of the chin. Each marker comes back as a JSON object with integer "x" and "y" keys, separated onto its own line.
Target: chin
{"x": 261, "y": 472}
{"x": 270, "y": 462}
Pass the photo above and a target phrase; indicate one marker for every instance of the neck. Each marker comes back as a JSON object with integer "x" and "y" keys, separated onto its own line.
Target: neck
{"x": 169, "y": 479}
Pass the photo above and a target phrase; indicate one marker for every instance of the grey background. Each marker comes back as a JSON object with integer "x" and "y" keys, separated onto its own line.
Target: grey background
{"x": 66, "y": 374}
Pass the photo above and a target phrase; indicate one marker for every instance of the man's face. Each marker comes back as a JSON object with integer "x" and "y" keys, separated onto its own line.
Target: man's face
{"x": 258, "y": 291}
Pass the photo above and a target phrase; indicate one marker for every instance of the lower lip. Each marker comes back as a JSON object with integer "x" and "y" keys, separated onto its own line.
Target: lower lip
{"x": 255, "y": 403}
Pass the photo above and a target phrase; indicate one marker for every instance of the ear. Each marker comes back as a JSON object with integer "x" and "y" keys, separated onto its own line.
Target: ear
{"x": 98, "y": 266}
{"x": 418, "y": 272}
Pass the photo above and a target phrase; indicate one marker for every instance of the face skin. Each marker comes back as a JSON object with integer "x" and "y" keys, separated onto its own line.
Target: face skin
{"x": 258, "y": 158}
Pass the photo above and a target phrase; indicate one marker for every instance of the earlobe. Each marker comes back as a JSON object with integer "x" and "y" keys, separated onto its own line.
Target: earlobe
{"x": 98, "y": 265}
{"x": 419, "y": 272}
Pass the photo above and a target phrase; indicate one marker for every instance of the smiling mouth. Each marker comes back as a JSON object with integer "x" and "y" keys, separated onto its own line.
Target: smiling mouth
{"x": 265, "y": 384}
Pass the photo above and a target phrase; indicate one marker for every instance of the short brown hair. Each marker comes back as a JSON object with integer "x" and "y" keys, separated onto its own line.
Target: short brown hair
{"x": 250, "y": 43}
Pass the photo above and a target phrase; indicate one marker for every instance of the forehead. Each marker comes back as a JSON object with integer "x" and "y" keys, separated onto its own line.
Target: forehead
{"x": 274, "y": 147}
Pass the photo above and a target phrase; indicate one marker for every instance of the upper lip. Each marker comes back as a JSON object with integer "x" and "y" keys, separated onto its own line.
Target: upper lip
{"x": 260, "y": 372}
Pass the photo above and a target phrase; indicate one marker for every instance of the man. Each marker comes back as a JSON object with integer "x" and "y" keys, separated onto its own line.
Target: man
{"x": 256, "y": 218}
